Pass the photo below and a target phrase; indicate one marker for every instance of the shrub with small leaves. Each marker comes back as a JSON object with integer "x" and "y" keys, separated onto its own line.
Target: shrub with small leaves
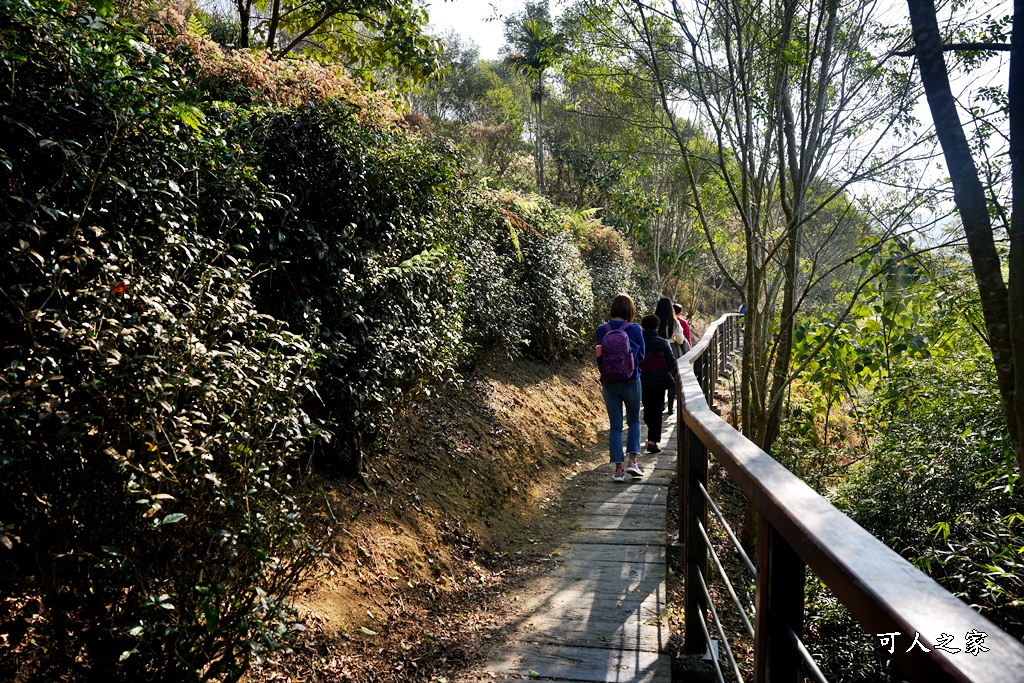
{"x": 363, "y": 254}
{"x": 611, "y": 266}
{"x": 560, "y": 305}
{"x": 150, "y": 417}
{"x": 196, "y": 290}
{"x": 492, "y": 261}
{"x": 938, "y": 486}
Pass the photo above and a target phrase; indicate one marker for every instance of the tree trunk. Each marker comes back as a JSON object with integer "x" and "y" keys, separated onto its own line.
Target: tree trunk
{"x": 784, "y": 349}
{"x": 540, "y": 126}
{"x": 244, "y": 18}
{"x": 275, "y": 20}
{"x": 970, "y": 200}
{"x": 1015, "y": 96}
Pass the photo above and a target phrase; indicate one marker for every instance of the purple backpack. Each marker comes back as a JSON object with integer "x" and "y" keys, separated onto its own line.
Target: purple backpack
{"x": 617, "y": 361}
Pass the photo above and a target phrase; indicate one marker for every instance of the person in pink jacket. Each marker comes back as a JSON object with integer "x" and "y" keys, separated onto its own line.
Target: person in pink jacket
{"x": 682, "y": 323}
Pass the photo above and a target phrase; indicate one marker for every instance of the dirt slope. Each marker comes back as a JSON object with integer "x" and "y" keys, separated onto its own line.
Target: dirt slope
{"x": 471, "y": 493}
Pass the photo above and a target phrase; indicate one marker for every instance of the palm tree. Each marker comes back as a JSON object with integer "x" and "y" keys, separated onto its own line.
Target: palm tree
{"x": 536, "y": 48}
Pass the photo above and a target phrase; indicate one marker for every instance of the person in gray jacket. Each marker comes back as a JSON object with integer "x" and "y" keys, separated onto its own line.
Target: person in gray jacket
{"x": 657, "y": 373}
{"x": 669, "y": 328}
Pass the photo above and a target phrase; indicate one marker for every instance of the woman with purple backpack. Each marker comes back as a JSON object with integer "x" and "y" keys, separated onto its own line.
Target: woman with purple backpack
{"x": 620, "y": 348}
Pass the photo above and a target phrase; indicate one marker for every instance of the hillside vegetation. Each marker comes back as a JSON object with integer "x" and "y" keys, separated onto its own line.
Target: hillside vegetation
{"x": 221, "y": 270}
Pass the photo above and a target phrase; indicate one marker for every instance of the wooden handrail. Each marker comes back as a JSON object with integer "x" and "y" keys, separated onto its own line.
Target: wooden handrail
{"x": 884, "y": 592}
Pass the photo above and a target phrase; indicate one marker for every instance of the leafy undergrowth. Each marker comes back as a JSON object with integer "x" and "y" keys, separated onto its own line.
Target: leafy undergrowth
{"x": 472, "y": 491}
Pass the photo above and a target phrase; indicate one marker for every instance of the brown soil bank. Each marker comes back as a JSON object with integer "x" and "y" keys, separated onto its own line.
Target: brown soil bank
{"x": 473, "y": 490}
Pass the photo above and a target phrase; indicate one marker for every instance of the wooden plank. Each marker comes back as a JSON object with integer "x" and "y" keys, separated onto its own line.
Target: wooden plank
{"x": 603, "y": 555}
{"x": 603, "y": 536}
{"x": 623, "y": 522}
{"x": 597, "y": 555}
{"x": 659, "y": 476}
{"x": 656, "y": 478}
{"x": 598, "y": 634}
{"x": 585, "y": 615}
{"x": 606, "y": 572}
{"x": 618, "y": 507}
{"x": 610, "y": 585}
{"x": 586, "y": 554}
{"x": 584, "y": 608}
{"x": 642, "y": 596}
{"x": 624, "y": 495}
{"x": 662, "y": 462}
{"x": 616, "y": 582}
{"x": 584, "y": 664}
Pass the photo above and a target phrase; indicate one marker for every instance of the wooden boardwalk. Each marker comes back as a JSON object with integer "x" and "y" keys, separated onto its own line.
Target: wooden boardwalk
{"x": 599, "y": 614}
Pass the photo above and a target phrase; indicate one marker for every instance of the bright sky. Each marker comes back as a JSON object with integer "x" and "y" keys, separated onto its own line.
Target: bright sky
{"x": 467, "y": 18}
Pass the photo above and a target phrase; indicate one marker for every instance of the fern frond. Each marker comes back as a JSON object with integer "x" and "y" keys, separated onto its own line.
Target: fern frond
{"x": 515, "y": 239}
{"x": 195, "y": 25}
{"x": 426, "y": 260}
{"x": 190, "y": 115}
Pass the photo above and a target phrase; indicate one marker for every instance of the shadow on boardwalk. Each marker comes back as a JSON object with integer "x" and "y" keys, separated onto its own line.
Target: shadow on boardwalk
{"x": 599, "y": 613}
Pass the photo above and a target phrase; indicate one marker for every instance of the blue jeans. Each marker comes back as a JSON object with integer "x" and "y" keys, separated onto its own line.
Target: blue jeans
{"x": 615, "y": 395}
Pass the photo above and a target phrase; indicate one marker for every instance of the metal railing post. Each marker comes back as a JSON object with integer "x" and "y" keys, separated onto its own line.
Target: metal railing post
{"x": 683, "y": 437}
{"x": 712, "y": 375}
{"x": 695, "y": 470}
{"x": 780, "y": 607}
{"x": 698, "y": 370}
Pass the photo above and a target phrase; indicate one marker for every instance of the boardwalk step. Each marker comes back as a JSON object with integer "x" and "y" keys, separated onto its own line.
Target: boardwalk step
{"x": 600, "y": 634}
{"x": 565, "y": 663}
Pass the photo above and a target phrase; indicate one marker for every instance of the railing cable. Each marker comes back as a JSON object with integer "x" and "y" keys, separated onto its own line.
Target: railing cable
{"x": 718, "y": 626}
{"x": 726, "y": 581}
{"x": 714, "y": 656}
{"x": 711, "y": 651}
{"x": 735, "y": 542}
{"x": 809, "y": 663}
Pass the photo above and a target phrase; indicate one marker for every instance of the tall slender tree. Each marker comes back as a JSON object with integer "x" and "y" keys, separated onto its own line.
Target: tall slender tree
{"x": 479, "y": 104}
{"x": 1002, "y": 302}
{"x": 534, "y": 47}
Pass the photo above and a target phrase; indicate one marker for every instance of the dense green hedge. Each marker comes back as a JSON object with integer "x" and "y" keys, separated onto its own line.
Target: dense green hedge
{"x": 363, "y": 256}
{"x": 198, "y": 297}
{"x": 148, "y": 411}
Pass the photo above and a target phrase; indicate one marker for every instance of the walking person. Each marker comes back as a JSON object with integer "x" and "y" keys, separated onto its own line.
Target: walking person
{"x": 658, "y": 372}
{"x": 620, "y": 349}
{"x": 683, "y": 323}
{"x": 669, "y": 328}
